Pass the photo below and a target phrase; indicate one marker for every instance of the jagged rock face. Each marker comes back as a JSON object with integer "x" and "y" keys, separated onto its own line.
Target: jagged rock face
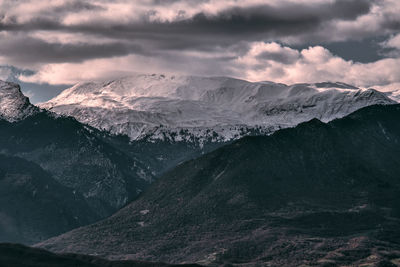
{"x": 317, "y": 194}
{"x": 158, "y": 107}
{"x": 13, "y": 104}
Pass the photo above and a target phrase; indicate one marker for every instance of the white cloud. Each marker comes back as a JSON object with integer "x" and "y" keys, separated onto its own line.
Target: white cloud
{"x": 90, "y": 70}
{"x": 393, "y": 42}
{"x": 263, "y": 61}
{"x": 120, "y": 12}
{"x": 110, "y": 68}
{"x": 5, "y": 73}
{"x": 316, "y": 64}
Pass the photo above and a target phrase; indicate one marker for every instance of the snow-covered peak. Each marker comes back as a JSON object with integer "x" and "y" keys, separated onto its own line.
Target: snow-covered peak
{"x": 13, "y": 104}
{"x": 143, "y": 86}
{"x": 395, "y": 95}
{"x": 220, "y": 108}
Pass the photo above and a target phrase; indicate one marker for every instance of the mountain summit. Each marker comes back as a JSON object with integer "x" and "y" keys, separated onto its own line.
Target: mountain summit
{"x": 13, "y": 104}
{"x": 205, "y": 108}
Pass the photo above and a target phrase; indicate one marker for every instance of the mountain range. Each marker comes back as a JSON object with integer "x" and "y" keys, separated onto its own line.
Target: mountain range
{"x": 60, "y": 165}
{"x": 97, "y": 147}
{"x": 205, "y": 109}
{"x": 319, "y": 194}
{"x": 169, "y": 118}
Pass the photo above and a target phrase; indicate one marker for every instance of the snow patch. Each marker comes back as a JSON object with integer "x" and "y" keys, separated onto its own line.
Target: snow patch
{"x": 144, "y": 212}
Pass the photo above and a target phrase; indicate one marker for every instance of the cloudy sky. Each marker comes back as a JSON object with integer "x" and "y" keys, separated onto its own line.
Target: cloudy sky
{"x": 49, "y": 45}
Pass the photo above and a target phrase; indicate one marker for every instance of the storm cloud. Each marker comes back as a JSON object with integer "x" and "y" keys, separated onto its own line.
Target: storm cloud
{"x": 40, "y": 51}
{"x": 243, "y": 23}
{"x": 60, "y": 40}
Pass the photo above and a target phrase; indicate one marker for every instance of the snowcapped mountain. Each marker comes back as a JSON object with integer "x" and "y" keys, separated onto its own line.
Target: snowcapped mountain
{"x": 76, "y": 156}
{"x": 159, "y": 107}
{"x": 395, "y": 95}
{"x": 13, "y": 104}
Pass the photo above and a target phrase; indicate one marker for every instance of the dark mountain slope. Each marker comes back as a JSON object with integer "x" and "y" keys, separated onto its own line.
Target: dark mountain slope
{"x": 33, "y": 206}
{"x": 160, "y": 156}
{"x": 77, "y": 158}
{"x": 317, "y": 194}
{"x": 12, "y": 255}
{"x": 91, "y": 173}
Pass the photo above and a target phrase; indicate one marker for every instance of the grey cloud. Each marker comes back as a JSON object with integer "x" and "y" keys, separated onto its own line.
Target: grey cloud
{"x": 222, "y": 36}
{"x": 287, "y": 18}
{"x": 169, "y": 2}
{"x": 284, "y": 58}
{"x": 238, "y": 23}
{"x": 392, "y": 22}
{"x": 245, "y": 23}
{"x": 202, "y": 32}
{"x": 348, "y": 10}
{"x": 75, "y": 6}
{"x": 32, "y": 50}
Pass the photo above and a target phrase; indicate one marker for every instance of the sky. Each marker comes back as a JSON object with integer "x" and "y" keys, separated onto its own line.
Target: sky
{"x": 48, "y": 46}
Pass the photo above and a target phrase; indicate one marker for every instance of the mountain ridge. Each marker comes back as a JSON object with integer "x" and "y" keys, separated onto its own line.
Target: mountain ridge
{"x": 205, "y": 109}
{"x": 314, "y": 194}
